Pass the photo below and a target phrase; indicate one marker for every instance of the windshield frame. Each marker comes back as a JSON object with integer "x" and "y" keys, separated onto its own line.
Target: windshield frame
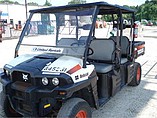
{"x": 24, "y": 31}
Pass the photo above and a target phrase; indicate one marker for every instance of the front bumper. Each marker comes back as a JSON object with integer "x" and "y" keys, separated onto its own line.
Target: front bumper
{"x": 31, "y": 100}
{"x": 26, "y": 99}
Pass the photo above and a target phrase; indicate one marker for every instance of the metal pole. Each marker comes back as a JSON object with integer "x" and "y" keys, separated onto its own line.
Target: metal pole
{"x": 26, "y": 9}
{"x": 9, "y": 19}
{"x": 0, "y": 27}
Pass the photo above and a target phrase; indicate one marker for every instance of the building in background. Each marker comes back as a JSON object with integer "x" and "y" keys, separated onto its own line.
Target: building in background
{"x": 13, "y": 14}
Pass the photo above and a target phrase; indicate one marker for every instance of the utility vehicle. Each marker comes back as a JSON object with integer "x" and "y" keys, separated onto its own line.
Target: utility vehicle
{"x": 64, "y": 66}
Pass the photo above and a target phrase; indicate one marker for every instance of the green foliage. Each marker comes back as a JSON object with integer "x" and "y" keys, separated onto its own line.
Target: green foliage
{"x": 108, "y": 18}
{"x": 16, "y": 2}
{"x": 6, "y": 1}
{"x": 77, "y": 2}
{"x": 47, "y": 3}
{"x": 32, "y": 4}
{"x": 147, "y": 11}
{"x": 11, "y": 2}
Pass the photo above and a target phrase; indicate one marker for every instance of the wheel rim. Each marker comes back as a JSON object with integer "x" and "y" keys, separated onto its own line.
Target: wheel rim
{"x": 81, "y": 114}
{"x": 138, "y": 74}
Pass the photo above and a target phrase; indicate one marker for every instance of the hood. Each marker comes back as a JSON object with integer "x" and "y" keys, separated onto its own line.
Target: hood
{"x": 46, "y": 63}
{"x": 19, "y": 60}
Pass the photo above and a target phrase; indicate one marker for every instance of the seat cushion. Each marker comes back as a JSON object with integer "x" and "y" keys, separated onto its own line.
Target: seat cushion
{"x": 102, "y": 68}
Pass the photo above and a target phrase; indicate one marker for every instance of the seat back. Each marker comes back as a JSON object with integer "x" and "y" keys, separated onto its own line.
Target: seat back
{"x": 124, "y": 46}
{"x": 104, "y": 50}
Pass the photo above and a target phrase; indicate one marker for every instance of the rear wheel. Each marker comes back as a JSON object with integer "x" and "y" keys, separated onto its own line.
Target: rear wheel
{"x": 137, "y": 75}
{"x": 75, "y": 108}
{"x": 6, "y": 107}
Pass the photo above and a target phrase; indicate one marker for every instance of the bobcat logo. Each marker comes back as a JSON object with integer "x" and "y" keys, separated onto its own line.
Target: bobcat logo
{"x": 25, "y": 77}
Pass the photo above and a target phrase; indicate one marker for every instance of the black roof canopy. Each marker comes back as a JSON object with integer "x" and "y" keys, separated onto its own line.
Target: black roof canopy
{"x": 104, "y": 7}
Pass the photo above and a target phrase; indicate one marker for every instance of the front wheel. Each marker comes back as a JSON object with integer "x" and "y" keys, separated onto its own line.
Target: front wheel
{"x": 75, "y": 108}
{"x": 137, "y": 75}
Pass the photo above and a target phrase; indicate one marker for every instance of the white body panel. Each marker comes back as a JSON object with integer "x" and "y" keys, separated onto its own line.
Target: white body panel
{"x": 71, "y": 66}
{"x": 19, "y": 60}
{"x": 82, "y": 74}
{"x": 66, "y": 63}
{"x": 62, "y": 64}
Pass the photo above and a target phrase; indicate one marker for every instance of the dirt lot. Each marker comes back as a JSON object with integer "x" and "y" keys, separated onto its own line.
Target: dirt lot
{"x": 134, "y": 102}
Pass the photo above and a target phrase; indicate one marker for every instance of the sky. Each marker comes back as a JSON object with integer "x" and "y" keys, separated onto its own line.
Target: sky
{"x": 65, "y": 2}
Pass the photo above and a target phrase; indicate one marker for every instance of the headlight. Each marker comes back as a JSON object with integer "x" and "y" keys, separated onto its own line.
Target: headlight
{"x": 55, "y": 81}
{"x": 45, "y": 81}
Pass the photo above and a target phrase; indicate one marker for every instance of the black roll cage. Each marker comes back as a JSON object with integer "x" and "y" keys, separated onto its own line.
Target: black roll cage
{"x": 100, "y": 8}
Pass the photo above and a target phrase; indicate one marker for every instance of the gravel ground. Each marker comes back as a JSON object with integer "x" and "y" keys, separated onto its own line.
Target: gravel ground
{"x": 134, "y": 102}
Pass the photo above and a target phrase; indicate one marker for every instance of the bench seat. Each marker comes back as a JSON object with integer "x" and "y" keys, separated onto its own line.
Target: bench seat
{"x": 102, "y": 67}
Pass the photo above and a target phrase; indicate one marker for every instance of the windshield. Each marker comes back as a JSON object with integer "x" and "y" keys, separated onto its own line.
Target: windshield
{"x": 63, "y": 33}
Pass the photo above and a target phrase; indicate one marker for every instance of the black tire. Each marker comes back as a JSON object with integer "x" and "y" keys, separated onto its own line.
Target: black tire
{"x": 75, "y": 108}
{"x": 6, "y": 107}
{"x": 137, "y": 75}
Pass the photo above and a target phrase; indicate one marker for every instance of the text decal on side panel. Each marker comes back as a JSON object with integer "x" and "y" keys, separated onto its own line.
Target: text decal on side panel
{"x": 82, "y": 74}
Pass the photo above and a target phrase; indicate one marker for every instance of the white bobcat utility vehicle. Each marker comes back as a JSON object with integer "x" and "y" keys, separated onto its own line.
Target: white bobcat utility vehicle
{"x": 64, "y": 65}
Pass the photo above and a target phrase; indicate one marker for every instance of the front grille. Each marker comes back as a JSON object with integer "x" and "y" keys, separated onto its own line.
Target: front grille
{"x": 21, "y": 97}
{"x": 21, "y": 76}
{"x": 19, "y": 90}
{"x": 25, "y": 107}
{"x": 19, "y": 94}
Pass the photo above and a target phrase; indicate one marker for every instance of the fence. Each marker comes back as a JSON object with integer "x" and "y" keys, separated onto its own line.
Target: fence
{"x": 37, "y": 28}
{"x": 10, "y": 32}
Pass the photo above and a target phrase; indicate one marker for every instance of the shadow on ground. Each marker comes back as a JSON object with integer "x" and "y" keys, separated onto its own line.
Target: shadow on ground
{"x": 128, "y": 103}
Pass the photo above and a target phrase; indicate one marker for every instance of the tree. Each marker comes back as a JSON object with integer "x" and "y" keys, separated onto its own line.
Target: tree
{"x": 47, "y": 3}
{"x": 33, "y": 4}
{"x": 16, "y": 2}
{"x": 77, "y": 2}
{"x": 147, "y": 11}
{"x": 8, "y": 2}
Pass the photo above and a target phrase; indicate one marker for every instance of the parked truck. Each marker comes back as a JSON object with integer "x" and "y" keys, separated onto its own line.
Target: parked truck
{"x": 68, "y": 72}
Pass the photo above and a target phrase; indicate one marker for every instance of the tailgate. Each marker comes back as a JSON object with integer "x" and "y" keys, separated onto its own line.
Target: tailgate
{"x": 139, "y": 48}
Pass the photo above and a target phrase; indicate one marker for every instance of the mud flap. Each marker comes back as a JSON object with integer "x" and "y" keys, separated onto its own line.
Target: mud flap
{"x": 95, "y": 90}
{"x": 116, "y": 82}
{"x": 123, "y": 70}
{"x": 130, "y": 72}
{"x": 104, "y": 86}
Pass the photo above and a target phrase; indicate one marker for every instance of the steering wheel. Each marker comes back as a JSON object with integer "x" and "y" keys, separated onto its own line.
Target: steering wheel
{"x": 90, "y": 51}
{"x": 74, "y": 44}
